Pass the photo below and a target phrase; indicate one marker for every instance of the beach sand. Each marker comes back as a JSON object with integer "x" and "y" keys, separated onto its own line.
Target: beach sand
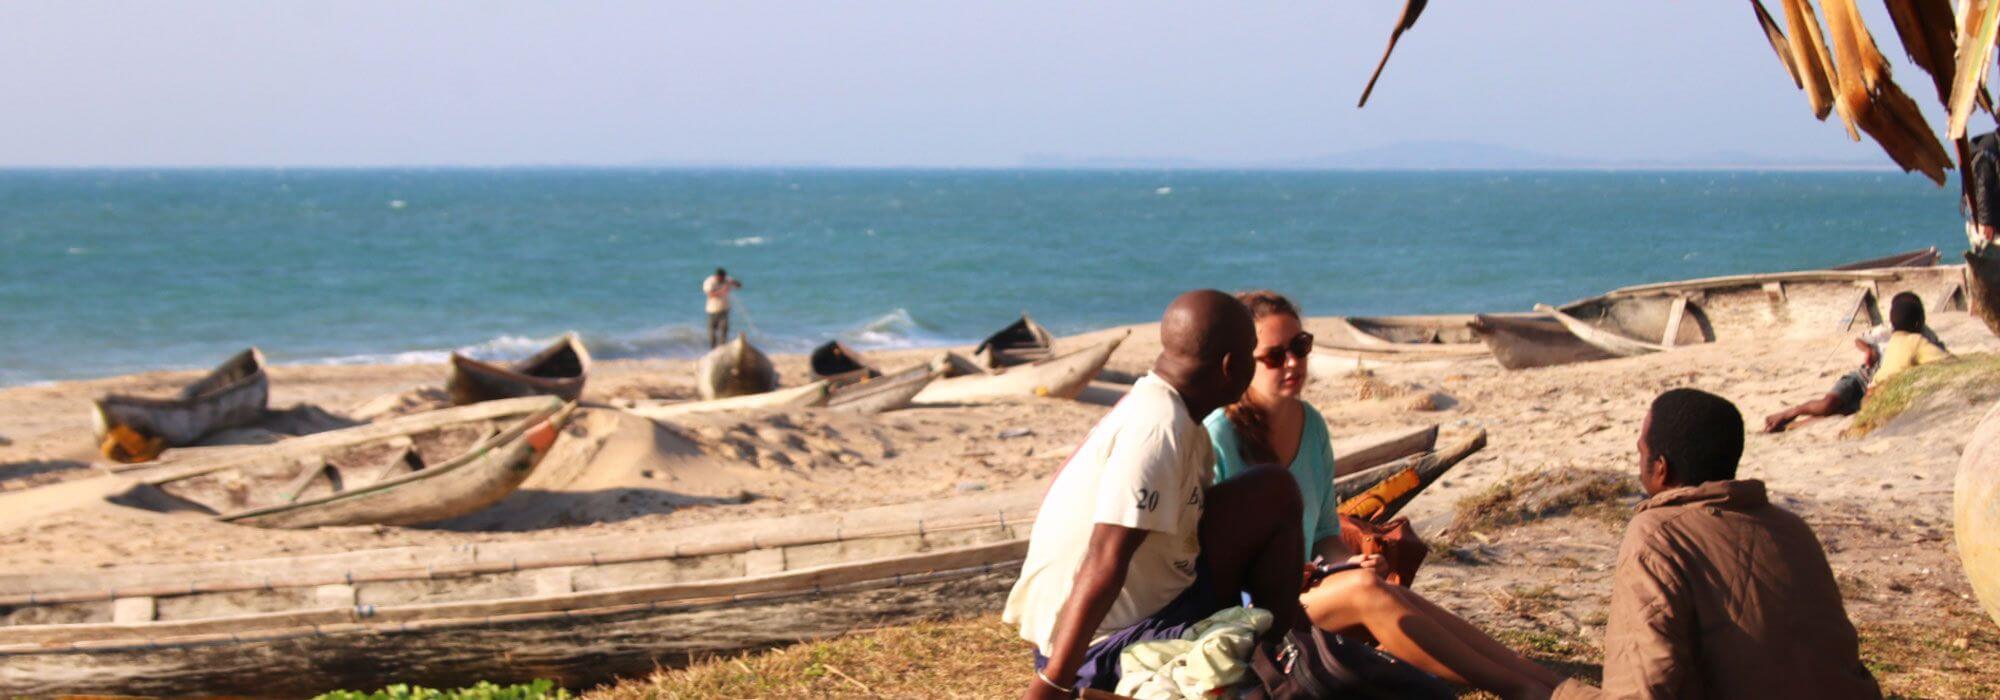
{"x": 1881, "y": 504}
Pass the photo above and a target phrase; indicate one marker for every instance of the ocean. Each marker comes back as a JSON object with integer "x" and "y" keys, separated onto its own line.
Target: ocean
{"x": 111, "y": 271}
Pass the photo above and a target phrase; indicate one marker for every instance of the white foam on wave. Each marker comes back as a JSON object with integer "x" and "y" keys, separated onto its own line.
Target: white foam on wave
{"x": 743, "y": 242}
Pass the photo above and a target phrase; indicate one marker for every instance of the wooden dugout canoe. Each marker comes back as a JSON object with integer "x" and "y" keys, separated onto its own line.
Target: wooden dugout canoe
{"x": 1021, "y": 342}
{"x": 735, "y": 368}
{"x": 807, "y": 396}
{"x": 413, "y": 470}
{"x": 836, "y": 362}
{"x": 1063, "y": 376}
{"x": 137, "y": 428}
{"x": 1811, "y": 303}
{"x": 578, "y": 612}
{"x": 1923, "y": 257}
{"x": 1592, "y": 329}
{"x": 1399, "y": 338}
{"x": 884, "y": 393}
{"x": 1378, "y": 493}
{"x": 558, "y": 370}
{"x": 1362, "y": 452}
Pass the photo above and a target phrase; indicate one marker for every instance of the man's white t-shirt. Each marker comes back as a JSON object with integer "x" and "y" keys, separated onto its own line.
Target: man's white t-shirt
{"x": 1144, "y": 466}
{"x": 717, "y": 292}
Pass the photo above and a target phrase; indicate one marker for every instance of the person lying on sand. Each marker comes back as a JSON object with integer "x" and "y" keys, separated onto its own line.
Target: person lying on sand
{"x": 1133, "y": 543}
{"x": 1719, "y": 593}
{"x": 1271, "y": 425}
{"x": 1905, "y": 343}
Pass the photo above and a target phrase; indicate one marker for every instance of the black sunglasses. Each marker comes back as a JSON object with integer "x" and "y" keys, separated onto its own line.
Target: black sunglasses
{"x": 1299, "y": 346}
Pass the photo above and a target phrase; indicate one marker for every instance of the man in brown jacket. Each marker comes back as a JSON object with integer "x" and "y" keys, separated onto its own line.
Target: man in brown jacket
{"x": 1719, "y": 593}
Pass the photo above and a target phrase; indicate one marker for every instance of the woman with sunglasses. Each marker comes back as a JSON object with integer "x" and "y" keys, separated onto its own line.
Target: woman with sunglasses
{"x": 1272, "y": 425}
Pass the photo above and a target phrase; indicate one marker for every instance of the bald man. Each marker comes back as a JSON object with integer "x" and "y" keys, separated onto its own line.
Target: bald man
{"x": 1133, "y": 542}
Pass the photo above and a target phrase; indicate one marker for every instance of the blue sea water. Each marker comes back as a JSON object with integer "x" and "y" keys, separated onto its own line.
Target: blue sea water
{"x": 105, "y": 272}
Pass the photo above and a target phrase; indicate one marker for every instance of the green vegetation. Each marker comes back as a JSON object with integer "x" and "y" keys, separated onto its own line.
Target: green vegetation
{"x": 1975, "y": 375}
{"x": 484, "y": 691}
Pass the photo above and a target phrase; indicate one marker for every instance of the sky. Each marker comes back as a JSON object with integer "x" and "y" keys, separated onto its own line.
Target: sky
{"x": 875, "y": 83}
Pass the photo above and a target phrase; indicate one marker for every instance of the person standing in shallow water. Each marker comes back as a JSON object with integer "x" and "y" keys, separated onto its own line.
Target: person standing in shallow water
{"x": 717, "y": 288}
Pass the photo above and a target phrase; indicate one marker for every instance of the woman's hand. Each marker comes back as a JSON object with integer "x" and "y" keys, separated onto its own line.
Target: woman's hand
{"x": 1372, "y": 562}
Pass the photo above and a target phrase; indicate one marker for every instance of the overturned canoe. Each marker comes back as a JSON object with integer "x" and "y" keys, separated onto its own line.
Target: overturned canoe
{"x": 558, "y": 370}
{"x": 807, "y": 396}
{"x": 884, "y": 393}
{"x": 579, "y": 612}
{"x": 137, "y": 428}
{"x": 1593, "y": 329}
{"x": 1399, "y": 338}
{"x": 414, "y": 470}
{"x": 735, "y": 368}
{"x": 1020, "y": 343}
{"x": 1063, "y": 376}
{"x": 833, "y": 360}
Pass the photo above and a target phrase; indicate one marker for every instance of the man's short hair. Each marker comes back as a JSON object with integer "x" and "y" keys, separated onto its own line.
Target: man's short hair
{"x": 1906, "y": 313}
{"x": 1700, "y": 434}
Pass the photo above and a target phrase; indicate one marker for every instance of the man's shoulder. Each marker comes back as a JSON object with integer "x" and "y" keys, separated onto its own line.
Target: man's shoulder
{"x": 1151, "y": 403}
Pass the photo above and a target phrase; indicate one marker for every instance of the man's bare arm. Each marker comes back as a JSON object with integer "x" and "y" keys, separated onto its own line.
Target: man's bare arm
{"x": 1098, "y": 581}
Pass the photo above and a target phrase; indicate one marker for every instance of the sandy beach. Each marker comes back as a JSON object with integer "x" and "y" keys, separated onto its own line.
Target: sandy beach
{"x": 1881, "y": 504}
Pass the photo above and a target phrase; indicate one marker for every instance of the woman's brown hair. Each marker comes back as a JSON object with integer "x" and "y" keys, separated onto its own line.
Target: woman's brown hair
{"x": 1253, "y": 430}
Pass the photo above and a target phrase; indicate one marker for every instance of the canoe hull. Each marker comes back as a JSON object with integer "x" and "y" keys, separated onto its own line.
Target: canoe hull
{"x": 579, "y": 611}
{"x": 882, "y": 394}
{"x": 1021, "y": 342}
{"x": 1525, "y": 342}
{"x": 734, "y": 369}
{"x": 1400, "y": 338}
{"x": 233, "y": 395}
{"x": 574, "y": 648}
{"x": 807, "y": 396}
{"x": 1976, "y": 512}
{"x": 559, "y": 370}
{"x": 1064, "y": 376}
{"x": 464, "y": 486}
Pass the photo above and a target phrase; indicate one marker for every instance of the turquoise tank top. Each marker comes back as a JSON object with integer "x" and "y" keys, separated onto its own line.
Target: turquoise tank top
{"x": 1312, "y": 468}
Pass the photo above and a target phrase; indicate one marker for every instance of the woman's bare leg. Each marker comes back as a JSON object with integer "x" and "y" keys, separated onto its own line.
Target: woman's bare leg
{"x": 1480, "y": 641}
{"x": 1359, "y": 599}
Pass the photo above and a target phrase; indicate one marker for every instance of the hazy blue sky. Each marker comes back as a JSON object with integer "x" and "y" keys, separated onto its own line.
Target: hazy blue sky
{"x": 870, "y": 83}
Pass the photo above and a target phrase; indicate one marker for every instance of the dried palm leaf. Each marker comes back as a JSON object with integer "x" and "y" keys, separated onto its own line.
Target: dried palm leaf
{"x": 1866, "y": 90}
{"x": 1815, "y": 63}
{"x": 1925, "y": 28}
{"x": 1778, "y": 42}
{"x": 1411, "y": 9}
{"x": 1978, "y": 20}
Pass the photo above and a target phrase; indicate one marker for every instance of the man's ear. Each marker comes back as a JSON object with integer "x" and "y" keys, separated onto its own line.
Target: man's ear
{"x": 1657, "y": 472}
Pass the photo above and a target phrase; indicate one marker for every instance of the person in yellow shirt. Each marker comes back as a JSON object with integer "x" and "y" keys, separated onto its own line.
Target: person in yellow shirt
{"x": 1906, "y": 342}
{"x": 1912, "y": 344}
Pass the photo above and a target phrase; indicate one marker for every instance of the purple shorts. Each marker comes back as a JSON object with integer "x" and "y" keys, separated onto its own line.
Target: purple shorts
{"x": 1100, "y": 661}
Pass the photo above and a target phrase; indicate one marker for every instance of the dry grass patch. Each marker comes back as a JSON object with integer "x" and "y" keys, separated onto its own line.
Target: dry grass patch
{"x": 978, "y": 657}
{"x": 1957, "y": 657}
{"x": 1596, "y": 493}
{"x": 1976, "y": 374}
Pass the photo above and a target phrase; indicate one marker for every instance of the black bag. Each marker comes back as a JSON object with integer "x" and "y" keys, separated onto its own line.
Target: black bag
{"x": 1320, "y": 665}
{"x": 1982, "y": 180}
